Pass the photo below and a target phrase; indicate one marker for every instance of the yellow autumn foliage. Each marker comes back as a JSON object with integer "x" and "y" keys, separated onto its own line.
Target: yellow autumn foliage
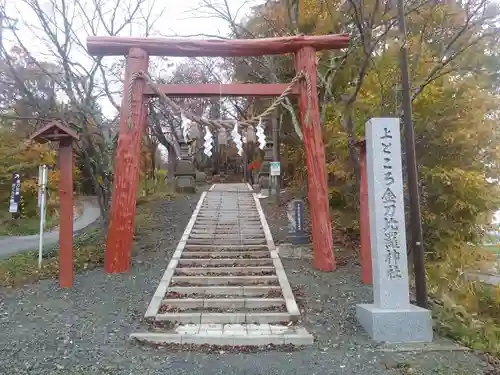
{"x": 18, "y": 155}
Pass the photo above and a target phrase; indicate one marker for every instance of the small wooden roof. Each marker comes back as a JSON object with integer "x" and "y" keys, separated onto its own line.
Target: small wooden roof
{"x": 53, "y": 131}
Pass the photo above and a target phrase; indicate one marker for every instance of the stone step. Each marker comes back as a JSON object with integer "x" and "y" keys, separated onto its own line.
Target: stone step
{"x": 234, "y": 248}
{"x": 225, "y": 229}
{"x": 214, "y": 229}
{"x": 225, "y": 262}
{"x": 228, "y": 228}
{"x": 224, "y": 303}
{"x": 224, "y": 318}
{"x": 250, "y": 290}
{"x": 226, "y": 249}
{"x": 246, "y": 291}
{"x": 226, "y": 203}
{"x": 226, "y": 254}
{"x": 226, "y": 232}
{"x": 199, "y": 232}
{"x": 227, "y": 236}
{"x": 223, "y": 280}
{"x": 222, "y": 270}
{"x": 214, "y": 217}
{"x": 228, "y": 242}
{"x": 230, "y": 224}
{"x": 221, "y": 212}
{"x": 242, "y": 213}
{"x": 229, "y": 335}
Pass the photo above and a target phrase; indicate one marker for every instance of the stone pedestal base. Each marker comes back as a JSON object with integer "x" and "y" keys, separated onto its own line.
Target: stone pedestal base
{"x": 298, "y": 238}
{"x": 407, "y": 325}
{"x": 264, "y": 182}
{"x": 185, "y": 184}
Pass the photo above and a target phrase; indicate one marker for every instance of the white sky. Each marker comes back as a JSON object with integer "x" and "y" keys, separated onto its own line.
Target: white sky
{"x": 176, "y": 18}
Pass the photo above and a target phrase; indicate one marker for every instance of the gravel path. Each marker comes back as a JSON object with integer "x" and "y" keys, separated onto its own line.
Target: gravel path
{"x": 85, "y": 330}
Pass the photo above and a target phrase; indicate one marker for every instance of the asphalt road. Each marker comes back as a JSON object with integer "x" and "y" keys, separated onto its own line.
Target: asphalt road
{"x": 16, "y": 244}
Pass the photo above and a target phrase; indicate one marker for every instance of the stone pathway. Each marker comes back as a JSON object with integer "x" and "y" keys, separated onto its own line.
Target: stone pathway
{"x": 225, "y": 284}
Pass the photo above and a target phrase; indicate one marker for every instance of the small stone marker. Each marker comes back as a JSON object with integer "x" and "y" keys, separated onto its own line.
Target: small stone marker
{"x": 201, "y": 176}
{"x": 295, "y": 214}
{"x": 391, "y": 318}
{"x": 185, "y": 184}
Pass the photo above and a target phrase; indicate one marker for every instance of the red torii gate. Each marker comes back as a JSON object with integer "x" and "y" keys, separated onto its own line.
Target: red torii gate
{"x": 126, "y": 180}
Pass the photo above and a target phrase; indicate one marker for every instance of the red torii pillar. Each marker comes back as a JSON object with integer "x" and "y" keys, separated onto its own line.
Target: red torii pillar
{"x": 324, "y": 260}
{"x": 304, "y": 47}
{"x": 127, "y": 167}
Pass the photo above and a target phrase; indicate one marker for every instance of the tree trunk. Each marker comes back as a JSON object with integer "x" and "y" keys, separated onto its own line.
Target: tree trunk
{"x": 348, "y": 125}
{"x": 172, "y": 162}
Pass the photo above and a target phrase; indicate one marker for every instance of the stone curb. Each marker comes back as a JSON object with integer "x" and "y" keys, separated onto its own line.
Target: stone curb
{"x": 155, "y": 303}
{"x": 291, "y": 305}
{"x": 217, "y": 338}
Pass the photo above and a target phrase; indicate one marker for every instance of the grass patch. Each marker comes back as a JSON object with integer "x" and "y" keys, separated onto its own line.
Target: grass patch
{"x": 31, "y": 225}
{"x": 21, "y": 269}
{"x": 492, "y": 248}
{"x": 157, "y": 196}
{"x": 25, "y": 226}
{"x": 88, "y": 249}
{"x": 466, "y": 311}
{"x": 160, "y": 192}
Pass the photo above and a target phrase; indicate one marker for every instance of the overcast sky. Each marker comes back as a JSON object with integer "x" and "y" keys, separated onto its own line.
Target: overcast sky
{"x": 177, "y": 19}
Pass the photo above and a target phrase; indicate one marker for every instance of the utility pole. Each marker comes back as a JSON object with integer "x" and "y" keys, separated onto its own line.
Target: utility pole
{"x": 2, "y": 10}
{"x": 411, "y": 167}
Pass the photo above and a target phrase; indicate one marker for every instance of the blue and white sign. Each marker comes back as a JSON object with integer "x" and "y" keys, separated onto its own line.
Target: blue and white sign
{"x": 275, "y": 168}
{"x": 15, "y": 194}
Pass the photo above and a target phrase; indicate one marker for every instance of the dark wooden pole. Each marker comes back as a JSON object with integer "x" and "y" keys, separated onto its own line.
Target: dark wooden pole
{"x": 324, "y": 259}
{"x": 127, "y": 166}
{"x": 417, "y": 240}
{"x": 66, "y": 213}
{"x": 364, "y": 221}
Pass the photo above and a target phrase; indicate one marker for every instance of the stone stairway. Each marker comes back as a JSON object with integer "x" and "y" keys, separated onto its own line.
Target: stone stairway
{"x": 225, "y": 284}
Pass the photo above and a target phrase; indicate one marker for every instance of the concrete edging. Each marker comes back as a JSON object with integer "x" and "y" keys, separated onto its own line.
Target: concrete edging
{"x": 159, "y": 294}
{"x": 291, "y": 305}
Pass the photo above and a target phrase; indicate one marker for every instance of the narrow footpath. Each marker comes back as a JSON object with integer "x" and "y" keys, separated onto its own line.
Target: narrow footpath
{"x": 11, "y": 245}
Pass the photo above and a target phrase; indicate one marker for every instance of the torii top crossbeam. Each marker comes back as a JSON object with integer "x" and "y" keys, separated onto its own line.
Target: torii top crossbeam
{"x": 113, "y": 45}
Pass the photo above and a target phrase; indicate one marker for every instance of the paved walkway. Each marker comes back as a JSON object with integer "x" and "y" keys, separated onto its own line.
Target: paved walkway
{"x": 487, "y": 278}
{"x": 16, "y": 244}
{"x": 225, "y": 284}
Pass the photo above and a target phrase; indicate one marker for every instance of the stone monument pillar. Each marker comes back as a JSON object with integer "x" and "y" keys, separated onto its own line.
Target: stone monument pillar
{"x": 391, "y": 318}
{"x": 185, "y": 175}
{"x": 295, "y": 214}
{"x": 264, "y": 175}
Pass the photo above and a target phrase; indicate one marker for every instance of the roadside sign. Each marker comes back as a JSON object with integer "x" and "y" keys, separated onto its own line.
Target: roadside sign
{"x": 275, "y": 168}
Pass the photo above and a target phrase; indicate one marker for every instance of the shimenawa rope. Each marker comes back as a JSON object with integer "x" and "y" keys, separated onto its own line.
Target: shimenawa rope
{"x": 227, "y": 124}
